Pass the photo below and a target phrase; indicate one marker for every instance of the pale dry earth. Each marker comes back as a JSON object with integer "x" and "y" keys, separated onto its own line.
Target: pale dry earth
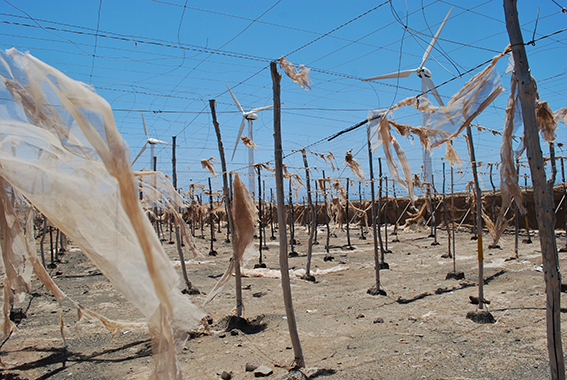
{"x": 345, "y": 333}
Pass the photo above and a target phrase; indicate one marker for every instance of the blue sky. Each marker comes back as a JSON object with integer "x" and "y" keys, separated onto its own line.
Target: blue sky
{"x": 170, "y": 57}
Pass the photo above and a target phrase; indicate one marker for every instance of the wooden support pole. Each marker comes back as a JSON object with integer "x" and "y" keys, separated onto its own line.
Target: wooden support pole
{"x": 543, "y": 198}
{"x": 292, "y": 252}
{"x": 327, "y": 244}
{"x": 565, "y": 197}
{"x": 312, "y": 222}
{"x": 375, "y": 290}
{"x": 434, "y": 208}
{"x": 227, "y": 191}
{"x": 212, "y": 251}
{"x": 386, "y": 250}
{"x": 396, "y": 210}
{"x": 453, "y": 222}
{"x": 383, "y": 264}
{"x": 260, "y": 218}
{"x": 478, "y": 201}
{"x": 449, "y": 255}
{"x": 284, "y": 267}
{"x": 347, "y": 215}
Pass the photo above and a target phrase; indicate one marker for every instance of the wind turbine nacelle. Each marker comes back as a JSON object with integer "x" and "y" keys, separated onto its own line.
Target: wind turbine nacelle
{"x": 250, "y": 116}
{"x": 153, "y": 141}
{"x": 424, "y": 71}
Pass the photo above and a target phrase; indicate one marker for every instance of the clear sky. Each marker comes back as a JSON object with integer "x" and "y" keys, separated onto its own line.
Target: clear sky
{"x": 170, "y": 57}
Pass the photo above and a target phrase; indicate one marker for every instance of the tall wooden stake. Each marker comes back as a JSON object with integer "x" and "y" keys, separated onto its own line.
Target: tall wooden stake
{"x": 292, "y": 252}
{"x": 349, "y": 246}
{"x": 446, "y": 219}
{"x": 273, "y": 237}
{"x": 375, "y": 290}
{"x": 543, "y": 197}
{"x": 529, "y": 239}
{"x": 453, "y": 222}
{"x": 383, "y": 264}
{"x": 386, "y": 250}
{"x": 478, "y": 198}
{"x": 313, "y": 221}
{"x": 362, "y": 237}
{"x": 434, "y": 209}
{"x": 396, "y": 210}
{"x": 327, "y": 245}
{"x": 189, "y": 288}
{"x": 565, "y": 200}
{"x": 284, "y": 267}
{"x": 260, "y": 218}
{"x": 228, "y": 200}
{"x": 212, "y": 252}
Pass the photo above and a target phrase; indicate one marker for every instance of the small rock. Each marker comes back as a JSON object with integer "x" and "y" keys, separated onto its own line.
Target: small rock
{"x": 226, "y": 375}
{"x": 233, "y": 332}
{"x": 294, "y": 374}
{"x": 360, "y": 316}
{"x": 263, "y": 371}
{"x": 379, "y": 320}
{"x": 251, "y": 366}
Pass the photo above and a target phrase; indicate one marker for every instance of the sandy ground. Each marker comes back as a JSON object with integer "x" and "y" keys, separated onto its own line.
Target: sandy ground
{"x": 419, "y": 330}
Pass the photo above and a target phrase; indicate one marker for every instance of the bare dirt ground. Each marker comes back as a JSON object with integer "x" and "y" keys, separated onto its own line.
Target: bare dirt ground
{"x": 419, "y": 330}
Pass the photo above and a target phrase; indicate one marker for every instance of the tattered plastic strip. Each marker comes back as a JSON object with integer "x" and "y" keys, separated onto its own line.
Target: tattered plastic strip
{"x": 244, "y": 214}
{"x": 72, "y": 164}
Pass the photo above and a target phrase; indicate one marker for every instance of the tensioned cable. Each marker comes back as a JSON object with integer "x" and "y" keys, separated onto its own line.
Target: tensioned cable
{"x": 96, "y": 41}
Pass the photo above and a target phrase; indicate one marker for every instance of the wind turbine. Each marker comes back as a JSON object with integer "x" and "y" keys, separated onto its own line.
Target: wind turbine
{"x": 425, "y": 75}
{"x": 250, "y": 116}
{"x": 151, "y": 141}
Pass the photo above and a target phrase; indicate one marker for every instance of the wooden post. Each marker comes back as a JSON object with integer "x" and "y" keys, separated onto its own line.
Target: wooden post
{"x": 42, "y": 240}
{"x": 227, "y": 191}
{"x": 349, "y": 246}
{"x": 263, "y": 200}
{"x": 565, "y": 199}
{"x": 396, "y": 210}
{"x": 284, "y": 267}
{"x": 362, "y": 237}
{"x": 453, "y": 222}
{"x": 386, "y": 250}
{"x": 327, "y": 245}
{"x": 212, "y": 252}
{"x": 315, "y": 242}
{"x": 189, "y": 288}
{"x": 446, "y": 219}
{"x": 292, "y": 252}
{"x": 383, "y": 264}
{"x": 543, "y": 198}
{"x": 434, "y": 209}
{"x": 313, "y": 222}
{"x": 478, "y": 198}
{"x": 260, "y": 219}
{"x": 273, "y": 237}
{"x": 375, "y": 290}
{"x": 529, "y": 239}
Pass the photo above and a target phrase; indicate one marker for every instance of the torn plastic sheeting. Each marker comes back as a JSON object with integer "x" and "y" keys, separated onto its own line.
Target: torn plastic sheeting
{"x": 59, "y": 146}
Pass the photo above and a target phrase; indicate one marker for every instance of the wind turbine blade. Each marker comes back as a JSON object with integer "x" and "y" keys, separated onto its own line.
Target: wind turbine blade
{"x": 261, "y": 109}
{"x": 163, "y": 142}
{"x": 144, "y": 120}
{"x": 139, "y": 154}
{"x": 238, "y": 137}
{"x": 397, "y": 74}
{"x": 433, "y": 41}
{"x": 429, "y": 83}
{"x": 234, "y": 97}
